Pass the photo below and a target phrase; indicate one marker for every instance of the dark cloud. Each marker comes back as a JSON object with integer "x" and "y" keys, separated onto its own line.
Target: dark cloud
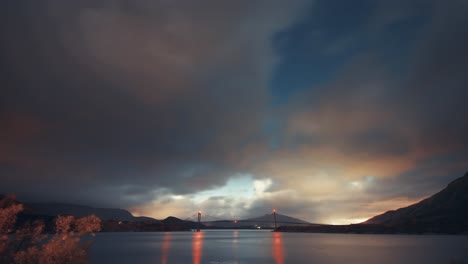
{"x": 148, "y": 103}
{"x": 370, "y": 108}
{"x": 111, "y": 96}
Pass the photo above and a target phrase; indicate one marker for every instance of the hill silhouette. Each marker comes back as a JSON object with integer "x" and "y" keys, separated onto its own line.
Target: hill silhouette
{"x": 113, "y": 220}
{"x": 445, "y": 211}
{"x": 54, "y": 209}
{"x": 264, "y": 221}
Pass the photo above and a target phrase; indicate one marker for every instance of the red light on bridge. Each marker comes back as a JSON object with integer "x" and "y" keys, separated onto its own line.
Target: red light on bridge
{"x": 235, "y": 221}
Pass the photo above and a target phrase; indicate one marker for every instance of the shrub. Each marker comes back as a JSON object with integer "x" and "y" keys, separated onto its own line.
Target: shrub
{"x": 28, "y": 244}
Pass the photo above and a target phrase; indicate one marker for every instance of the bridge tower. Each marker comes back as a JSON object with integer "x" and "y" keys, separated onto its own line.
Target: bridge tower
{"x": 274, "y": 215}
{"x": 199, "y": 220}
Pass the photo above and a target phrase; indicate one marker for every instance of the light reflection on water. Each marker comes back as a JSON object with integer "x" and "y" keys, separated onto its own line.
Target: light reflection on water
{"x": 247, "y": 246}
{"x": 235, "y": 234}
{"x": 166, "y": 244}
{"x": 197, "y": 247}
{"x": 277, "y": 248}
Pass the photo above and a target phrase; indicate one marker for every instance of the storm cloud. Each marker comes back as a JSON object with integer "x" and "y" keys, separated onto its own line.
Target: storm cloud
{"x": 339, "y": 110}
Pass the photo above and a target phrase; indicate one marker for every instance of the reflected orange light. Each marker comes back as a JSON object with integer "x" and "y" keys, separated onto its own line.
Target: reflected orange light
{"x": 197, "y": 247}
{"x": 278, "y": 248}
{"x": 234, "y": 245}
{"x": 165, "y": 247}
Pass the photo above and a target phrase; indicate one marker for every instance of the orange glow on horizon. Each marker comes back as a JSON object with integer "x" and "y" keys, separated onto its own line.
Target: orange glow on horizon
{"x": 165, "y": 247}
{"x": 197, "y": 247}
{"x": 278, "y": 248}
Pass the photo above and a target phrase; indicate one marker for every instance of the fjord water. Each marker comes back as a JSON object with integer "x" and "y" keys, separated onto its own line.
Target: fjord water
{"x": 248, "y": 246}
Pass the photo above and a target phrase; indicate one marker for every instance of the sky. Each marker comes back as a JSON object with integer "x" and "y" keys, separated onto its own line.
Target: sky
{"x": 331, "y": 111}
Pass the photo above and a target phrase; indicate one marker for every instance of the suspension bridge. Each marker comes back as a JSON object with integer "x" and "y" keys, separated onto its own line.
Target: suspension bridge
{"x": 266, "y": 221}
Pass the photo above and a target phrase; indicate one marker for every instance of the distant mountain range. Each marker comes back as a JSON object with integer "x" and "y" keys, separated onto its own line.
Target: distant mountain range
{"x": 119, "y": 220}
{"x": 109, "y": 214}
{"x": 444, "y": 212}
{"x": 113, "y": 220}
{"x": 265, "y": 221}
{"x": 53, "y": 209}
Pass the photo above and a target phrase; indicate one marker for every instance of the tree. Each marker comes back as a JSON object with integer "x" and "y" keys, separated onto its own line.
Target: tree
{"x": 28, "y": 244}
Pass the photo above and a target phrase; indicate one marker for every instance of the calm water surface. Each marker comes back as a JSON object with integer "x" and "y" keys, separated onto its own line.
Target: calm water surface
{"x": 245, "y": 246}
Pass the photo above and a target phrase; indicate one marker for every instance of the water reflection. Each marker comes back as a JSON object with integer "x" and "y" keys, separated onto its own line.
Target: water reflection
{"x": 278, "y": 248}
{"x": 166, "y": 244}
{"x": 235, "y": 234}
{"x": 264, "y": 247}
{"x": 197, "y": 247}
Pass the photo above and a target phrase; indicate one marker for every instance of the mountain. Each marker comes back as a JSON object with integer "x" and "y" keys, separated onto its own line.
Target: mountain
{"x": 444, "y": 212}
{"x": 169, "y": 224}
{"x": 53, "y": 209}
{"x": 174, "y": 223}
{"x": 265, "y": 221}
{"x": 113, "y": 220}
{"x": 280, "y": 220}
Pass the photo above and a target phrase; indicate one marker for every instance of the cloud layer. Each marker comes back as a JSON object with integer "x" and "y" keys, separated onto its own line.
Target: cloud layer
{"x": 325, "y": 110}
